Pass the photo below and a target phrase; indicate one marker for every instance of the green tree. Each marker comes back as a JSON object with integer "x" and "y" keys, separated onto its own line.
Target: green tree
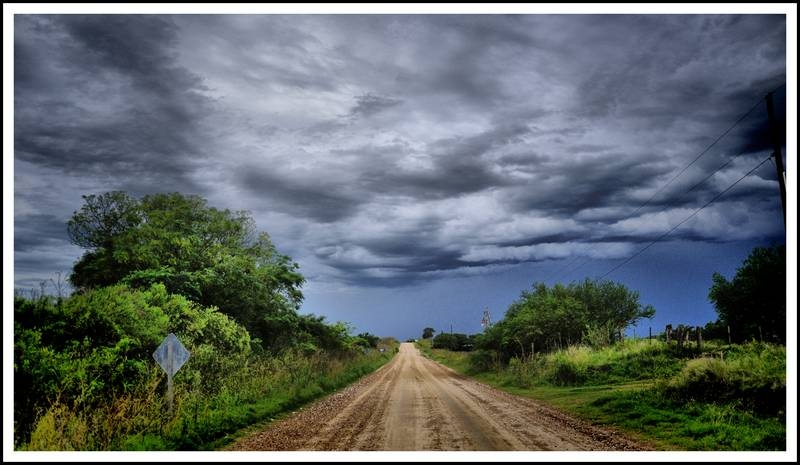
{"x": 211, "y": 256}
{"x": 610, "y": 306}
{"x": 547, "y": 318}
{"x": 455, "y": 341}
{"x": 367, "y": 340}
{"x": 428, "y": 333}
{"x": 103, "y": 217}
{"x": 753, "y": 303}
{"x": 98, "y": 344}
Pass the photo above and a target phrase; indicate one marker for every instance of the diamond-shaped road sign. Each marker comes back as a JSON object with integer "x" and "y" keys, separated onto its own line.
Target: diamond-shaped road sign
{"x": 171, "y": 355}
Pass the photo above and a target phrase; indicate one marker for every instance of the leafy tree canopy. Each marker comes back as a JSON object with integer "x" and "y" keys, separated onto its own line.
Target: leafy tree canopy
{"x": 211, "y": 256}
{"x": 753, "y": 303}
{"x": 544, "y": 318}
{"x": 98, "y": 344}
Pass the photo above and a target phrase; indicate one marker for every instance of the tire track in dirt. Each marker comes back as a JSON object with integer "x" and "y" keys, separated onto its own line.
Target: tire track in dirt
{"x": 414, "y": 403}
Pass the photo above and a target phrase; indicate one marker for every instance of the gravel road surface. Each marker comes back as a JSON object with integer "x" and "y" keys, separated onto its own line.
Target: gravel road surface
{"x": 413, "y": 404}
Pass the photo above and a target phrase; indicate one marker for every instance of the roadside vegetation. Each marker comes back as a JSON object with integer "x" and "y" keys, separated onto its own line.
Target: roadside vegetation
{"x": 724, "y": 392}
{"x": 84, "y": 373}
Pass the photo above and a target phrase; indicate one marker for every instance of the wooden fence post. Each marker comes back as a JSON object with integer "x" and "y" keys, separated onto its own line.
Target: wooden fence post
{"x": 699, "y": 339}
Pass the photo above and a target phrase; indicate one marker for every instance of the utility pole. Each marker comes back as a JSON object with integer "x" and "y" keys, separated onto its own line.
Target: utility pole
{"x": 776, "y": 153}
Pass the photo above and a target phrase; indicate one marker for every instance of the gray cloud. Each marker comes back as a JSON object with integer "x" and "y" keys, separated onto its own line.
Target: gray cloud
{"x": 369, "y": 105}
{"x": 121, "y": 107}
{"x": 315, "y": 198}
{"x": 30, "y": 231}
{"x": 387, "y": 150}
{"x": 584, "y": 183}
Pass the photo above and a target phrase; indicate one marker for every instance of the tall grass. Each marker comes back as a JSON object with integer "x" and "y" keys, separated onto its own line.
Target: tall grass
{"x": 674, "y": 398}
{"x": 580, "y": 365}
{"x": 262, "y": 389}
{"x": 752, "y": 376}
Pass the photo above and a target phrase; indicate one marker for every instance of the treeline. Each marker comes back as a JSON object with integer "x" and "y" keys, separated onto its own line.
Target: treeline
{"x": 167, "y": 263}
{"x": 545, "y": 318}
{"x": 728, "y": 393}
{"x": 753, "y": 303}
{"x": 751, "y": 306}
{"x": 212, "y": 257}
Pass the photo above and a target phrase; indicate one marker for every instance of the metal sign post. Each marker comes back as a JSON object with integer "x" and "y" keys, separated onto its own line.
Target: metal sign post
{"x": 171, "y": 355}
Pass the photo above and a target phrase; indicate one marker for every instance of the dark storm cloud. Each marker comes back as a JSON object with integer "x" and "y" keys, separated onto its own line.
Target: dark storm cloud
{"x": 459, "y": 166}
{"x": 317, "y": 199}
{"x": 666, "y": 67}
{"x": 584, "y": 183}
{"x": 406, "y": 147}
{"x": 369, "y": 105}
{"x": 419, "y": 263}
{"x": 42, "y": 252}
{"x": 31, "y": 231}
{"x": 113, "y": 102}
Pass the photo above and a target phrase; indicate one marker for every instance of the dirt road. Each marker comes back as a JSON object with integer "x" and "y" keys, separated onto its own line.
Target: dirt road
{"x": 413, "y": 403}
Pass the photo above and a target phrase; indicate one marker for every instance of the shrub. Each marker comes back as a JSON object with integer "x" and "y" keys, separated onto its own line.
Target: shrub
{"x": 753, "y": 375}
{"x": 98, "y": 345}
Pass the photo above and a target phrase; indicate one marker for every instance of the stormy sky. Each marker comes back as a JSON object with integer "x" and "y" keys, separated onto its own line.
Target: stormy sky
{"x": 419, "y": 168}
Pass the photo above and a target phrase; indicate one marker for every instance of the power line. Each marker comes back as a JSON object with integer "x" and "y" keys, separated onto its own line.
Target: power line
{"x": 570, "y": 261}
{"x": 719, "y": 138}
{"x": 709, "y": 176}
{"x": 585, "y": 261}
{"x": 685, "y": 219}
{"x": 564, "y": 270}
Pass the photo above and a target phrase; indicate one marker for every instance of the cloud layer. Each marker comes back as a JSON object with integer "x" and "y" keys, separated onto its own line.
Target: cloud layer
{"x": 384, "y": 150}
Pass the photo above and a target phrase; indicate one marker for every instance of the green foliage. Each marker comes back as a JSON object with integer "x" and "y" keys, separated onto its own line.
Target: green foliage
{"x": 752, "y": 376}
{"x": 456, "y": 342}
{"x": 98, "y": 345}
{"x": 84, "y": 376}
{"x": 545, "y": 319}
{"x": 102, "y": 218}
{"x": 693, "y": 426}
{"x": 753, "y": 304}
{"x": 428, "y": 333}
{"x": 599, "y": 335}
{"x": 652, "y": 391}
{"x": 212, "y": 257}
{"x": 261, "y": 388}
{"x": 367, "y": 340}
{"x": 715, "y": 330}
{"x": 581, "y": 365}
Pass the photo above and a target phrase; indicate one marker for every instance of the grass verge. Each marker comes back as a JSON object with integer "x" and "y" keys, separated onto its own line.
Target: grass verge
{"x": 262, "y": 391}
{"x": 674, "y": 411}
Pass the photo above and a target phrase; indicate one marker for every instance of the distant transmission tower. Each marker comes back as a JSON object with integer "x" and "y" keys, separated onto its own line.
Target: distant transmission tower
{"x": 487, "y": 319}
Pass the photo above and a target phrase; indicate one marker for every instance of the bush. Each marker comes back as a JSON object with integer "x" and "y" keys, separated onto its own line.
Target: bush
{"x": 567, "y": 369}
{"x": 484, "y": 360}
{"x": 455, "y": 342}
{"x": 753, "y": 375}
{"x": 99, "y": 345}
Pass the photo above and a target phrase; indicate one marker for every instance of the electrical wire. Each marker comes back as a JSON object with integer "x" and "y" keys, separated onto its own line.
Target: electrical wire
{"x": 700, "y": 155}
{"x": 618, "y": 266}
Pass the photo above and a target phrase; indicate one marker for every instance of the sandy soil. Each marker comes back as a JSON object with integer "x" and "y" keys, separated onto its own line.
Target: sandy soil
{"x": 414, "y": 404}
